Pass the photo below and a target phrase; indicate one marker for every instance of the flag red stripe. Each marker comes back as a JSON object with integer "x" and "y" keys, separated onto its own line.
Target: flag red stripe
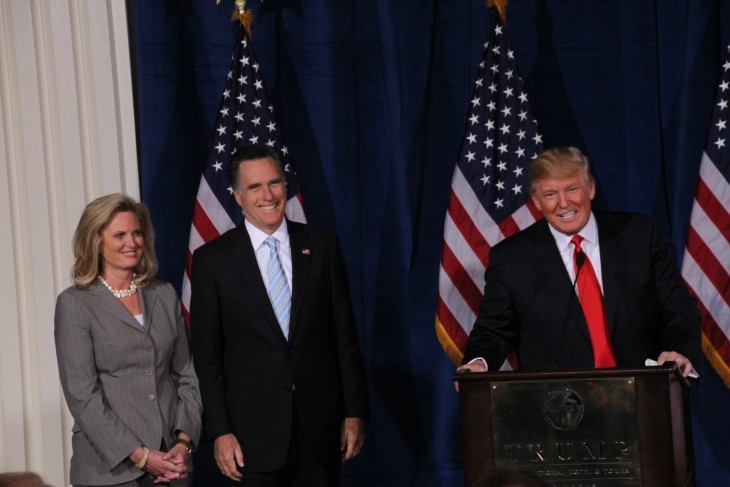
{"x": 508, "y": 227}
{"x": 713, "y": 208}
{"x": 205, "y": 227}
{"x": 186, "y": 315}
{"x": 513, "y": 362}
{"x": 460, "y": 278}
{"x": 451, "y": 325}
{"x": 472, "y": 236}
{"x": 714, "y": 332}
{"x": 536, "y": 214}
{"x": 188, "y": 263}
{"x": 711, "y": 267}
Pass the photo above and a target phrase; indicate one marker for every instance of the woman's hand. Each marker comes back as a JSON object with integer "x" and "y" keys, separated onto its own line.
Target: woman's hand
{"x": 178, "y": 455}
{"x": 162, "y": 465}
{"x": 165, "y": 467}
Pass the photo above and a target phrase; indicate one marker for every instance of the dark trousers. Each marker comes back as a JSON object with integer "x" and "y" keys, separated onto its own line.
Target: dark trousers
{"x": 299, "y": 470}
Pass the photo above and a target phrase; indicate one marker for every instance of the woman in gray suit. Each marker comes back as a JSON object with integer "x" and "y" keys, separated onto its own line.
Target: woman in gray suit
{"x": 123, "y": 355}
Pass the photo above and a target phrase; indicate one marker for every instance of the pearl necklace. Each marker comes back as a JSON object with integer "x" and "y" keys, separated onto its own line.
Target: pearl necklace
{"x": 121, "y": 293}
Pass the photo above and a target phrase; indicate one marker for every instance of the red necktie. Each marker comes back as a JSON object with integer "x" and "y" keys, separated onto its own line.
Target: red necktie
{"x": 591, "y": 300}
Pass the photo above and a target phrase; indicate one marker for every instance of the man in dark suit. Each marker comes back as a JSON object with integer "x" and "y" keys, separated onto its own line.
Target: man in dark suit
{"x": 535, "y": 301}
{"x": 283, "y": 384}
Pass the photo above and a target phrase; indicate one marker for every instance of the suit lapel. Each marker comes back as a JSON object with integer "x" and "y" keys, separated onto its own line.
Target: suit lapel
{"x": 550, "y": 272}
{"x": 149, "y": 299}
{"x": 112, "y": 306}
{"x": 301, "y": 257}
{"x": 242, "y": 255}
{"x": 614, "y": 259}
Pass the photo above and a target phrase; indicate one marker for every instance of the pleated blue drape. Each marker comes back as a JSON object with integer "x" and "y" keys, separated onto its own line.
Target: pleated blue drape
{"x": 372, "y": 99}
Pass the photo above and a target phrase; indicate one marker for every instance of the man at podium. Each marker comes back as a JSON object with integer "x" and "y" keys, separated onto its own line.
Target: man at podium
{"x": 582, "y": 288}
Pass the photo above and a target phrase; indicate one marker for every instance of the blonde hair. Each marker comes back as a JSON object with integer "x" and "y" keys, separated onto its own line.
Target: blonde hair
{"x": 87, "y": 239}
{"x": 559, "y": 162}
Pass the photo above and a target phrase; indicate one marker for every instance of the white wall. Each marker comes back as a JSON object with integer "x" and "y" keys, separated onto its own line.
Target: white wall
{"x": 66, "y": 137}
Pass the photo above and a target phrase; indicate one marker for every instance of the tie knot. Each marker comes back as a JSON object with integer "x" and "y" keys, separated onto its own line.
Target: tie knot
{"x": 270, "y": 243}
{"x": 576, "y": 240}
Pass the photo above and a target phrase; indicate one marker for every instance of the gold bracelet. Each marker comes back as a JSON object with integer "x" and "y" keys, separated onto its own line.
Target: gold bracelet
{"x": 143, "y": 461}
{"x": 186, "y": 444}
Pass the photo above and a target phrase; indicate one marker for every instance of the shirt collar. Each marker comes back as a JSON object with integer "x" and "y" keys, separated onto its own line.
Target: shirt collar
{"x": 589, "y": 233}
{"x": 258, "y": 236}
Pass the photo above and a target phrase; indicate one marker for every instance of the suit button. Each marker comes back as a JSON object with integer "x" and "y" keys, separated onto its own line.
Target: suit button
{"x": 288, "y": 349}
{"x": 148, "y": 372}
{"x": 151, "y": 397}
{"x": 148, "y": 348}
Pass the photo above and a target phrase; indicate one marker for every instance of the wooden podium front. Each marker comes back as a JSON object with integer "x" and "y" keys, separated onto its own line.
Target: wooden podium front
{"x": 594, "y": 427}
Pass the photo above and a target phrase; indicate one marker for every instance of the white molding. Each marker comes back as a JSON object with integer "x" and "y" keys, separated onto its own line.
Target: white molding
{"x": 13, "y": 435}
{"x": 84, "y": 82}
{"x": 67, "y": 135}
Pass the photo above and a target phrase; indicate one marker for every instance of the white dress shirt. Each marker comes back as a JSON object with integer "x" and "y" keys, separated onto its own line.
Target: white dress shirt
{"x": 589, "y": 245}
{"x": 262, "y": 251}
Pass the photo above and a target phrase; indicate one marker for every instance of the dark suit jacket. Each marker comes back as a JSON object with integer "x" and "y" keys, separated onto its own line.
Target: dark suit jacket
{"x": 530, "y": 306}
{"x": 125, "y": 385}
{"x": 249, "y": 373}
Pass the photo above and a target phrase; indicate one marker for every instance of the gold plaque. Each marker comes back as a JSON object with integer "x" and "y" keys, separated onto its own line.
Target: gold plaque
{"x": 580, "y": 433}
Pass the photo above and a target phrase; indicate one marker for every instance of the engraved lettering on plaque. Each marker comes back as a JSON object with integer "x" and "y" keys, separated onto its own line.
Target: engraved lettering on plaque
{"x": 569, "y": 432}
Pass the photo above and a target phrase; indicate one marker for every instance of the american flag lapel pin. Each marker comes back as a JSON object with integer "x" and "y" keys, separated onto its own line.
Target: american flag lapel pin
{"x": 305, "y": 251}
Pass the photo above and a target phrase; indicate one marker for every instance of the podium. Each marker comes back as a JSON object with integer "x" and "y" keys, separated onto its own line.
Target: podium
{"x": 592, "y": 427}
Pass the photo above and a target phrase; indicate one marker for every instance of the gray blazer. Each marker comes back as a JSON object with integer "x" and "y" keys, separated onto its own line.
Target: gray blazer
{"x": 125, "y": 385}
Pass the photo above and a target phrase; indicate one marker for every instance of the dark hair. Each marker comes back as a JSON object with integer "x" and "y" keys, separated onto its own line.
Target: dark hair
{"x": 251, "y": 153}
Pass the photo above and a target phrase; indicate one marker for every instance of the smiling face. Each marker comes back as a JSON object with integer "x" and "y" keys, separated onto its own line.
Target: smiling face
{"x": 122, "y": 244}
{"x": 261, "y": 194}
{"x": 565, "y": 201}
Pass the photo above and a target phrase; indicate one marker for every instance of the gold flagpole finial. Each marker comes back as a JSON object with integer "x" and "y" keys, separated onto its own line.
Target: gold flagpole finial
{"x": 501, "y": 8}
{"x": 242, "y": 14}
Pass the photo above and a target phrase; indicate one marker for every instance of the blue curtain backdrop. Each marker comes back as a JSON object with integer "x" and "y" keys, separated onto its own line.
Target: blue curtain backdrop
{"x": 372, "y": 99}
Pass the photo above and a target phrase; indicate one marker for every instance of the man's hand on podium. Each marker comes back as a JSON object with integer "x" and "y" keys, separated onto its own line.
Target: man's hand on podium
{"x": 476, "y": 365}
{"x": 683, "y": 362}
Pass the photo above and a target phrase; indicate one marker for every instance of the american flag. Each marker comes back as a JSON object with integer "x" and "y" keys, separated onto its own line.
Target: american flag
{"x": 489, "y": 198}
{"x": 245, "y": 116}
{"x": 706, "y": 264}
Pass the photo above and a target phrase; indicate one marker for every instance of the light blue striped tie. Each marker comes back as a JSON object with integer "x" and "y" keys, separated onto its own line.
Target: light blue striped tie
{"x": 278, "y": 288}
